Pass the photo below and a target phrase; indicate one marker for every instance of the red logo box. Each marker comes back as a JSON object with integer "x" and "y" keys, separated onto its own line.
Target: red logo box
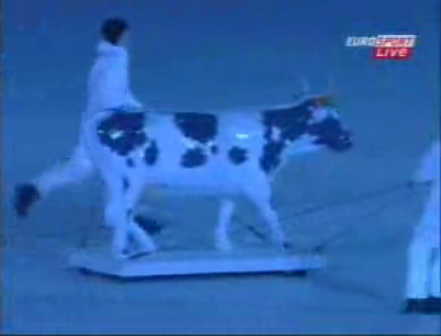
{"x": 391, "y": 53}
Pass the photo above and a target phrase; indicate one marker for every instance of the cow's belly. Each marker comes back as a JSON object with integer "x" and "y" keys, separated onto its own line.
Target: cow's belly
{"x": 215, "y": 177}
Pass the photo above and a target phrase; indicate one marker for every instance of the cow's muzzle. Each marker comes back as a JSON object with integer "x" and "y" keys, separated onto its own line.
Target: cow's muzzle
{"x": 342, "y": 142}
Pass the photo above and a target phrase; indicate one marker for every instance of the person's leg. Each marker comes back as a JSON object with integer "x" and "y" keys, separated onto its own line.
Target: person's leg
{"x": 435, "y": 282}
{"x": 419, "y": 265}
{"x": 75, "y": 169}
{"x": 418, "y": 257}
{"x": 434, "y": 304}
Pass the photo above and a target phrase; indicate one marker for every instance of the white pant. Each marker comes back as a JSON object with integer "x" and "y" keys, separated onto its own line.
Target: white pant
{"x": 423, "y": 255}
{"x": 75, "y": 169}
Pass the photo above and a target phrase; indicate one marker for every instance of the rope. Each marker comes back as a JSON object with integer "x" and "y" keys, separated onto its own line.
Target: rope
{"x": 358, "y": 199}
{"x": 318, "y": 248}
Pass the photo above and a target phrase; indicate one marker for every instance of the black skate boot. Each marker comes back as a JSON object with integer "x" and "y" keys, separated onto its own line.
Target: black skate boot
{"x": 25, "y": 195}
{"x": 433, "y": 305}
{"x": 414, "y": 306}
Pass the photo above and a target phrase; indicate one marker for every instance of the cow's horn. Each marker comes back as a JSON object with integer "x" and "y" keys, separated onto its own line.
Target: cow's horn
{"x": 305, "y": 86}
{"x": 305, "y": 89}
{"x": 330, "y": 91}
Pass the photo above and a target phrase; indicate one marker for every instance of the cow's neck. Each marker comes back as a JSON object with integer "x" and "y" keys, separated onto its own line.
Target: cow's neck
{"x": 282, "y": 128}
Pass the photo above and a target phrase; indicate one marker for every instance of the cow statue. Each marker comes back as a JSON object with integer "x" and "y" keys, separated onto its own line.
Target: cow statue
{"x": 224, "y": 154}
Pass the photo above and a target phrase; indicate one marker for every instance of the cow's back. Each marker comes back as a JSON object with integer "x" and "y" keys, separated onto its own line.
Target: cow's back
{"x": 189, "y": 150}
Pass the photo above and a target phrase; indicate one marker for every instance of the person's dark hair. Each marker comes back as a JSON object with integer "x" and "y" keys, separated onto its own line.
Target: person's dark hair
{"x": 112, "y": 29}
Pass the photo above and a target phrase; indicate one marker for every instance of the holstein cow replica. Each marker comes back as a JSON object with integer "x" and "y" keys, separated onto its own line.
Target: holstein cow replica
{"x": 225, "y": 154}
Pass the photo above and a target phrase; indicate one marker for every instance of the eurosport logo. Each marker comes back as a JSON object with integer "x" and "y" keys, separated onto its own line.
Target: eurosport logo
{"x": 386, "y": 47}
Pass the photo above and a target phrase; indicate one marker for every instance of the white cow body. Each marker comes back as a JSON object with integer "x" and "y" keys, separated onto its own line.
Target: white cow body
{"x": 219, "y": 173}
{"x": 217, "y": 176}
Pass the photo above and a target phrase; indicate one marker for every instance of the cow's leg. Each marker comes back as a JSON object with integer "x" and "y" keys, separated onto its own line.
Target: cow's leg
{"x": 271, "y": 218}
{"x": 222, "y": 240}
{"x": 260, "y": 195}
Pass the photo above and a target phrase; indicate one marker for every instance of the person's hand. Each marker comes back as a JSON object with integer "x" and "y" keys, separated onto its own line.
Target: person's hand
{"x": 138, "y": 105}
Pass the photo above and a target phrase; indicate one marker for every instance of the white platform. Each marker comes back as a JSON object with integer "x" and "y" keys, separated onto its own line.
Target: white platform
{"x": 169, "y": 263}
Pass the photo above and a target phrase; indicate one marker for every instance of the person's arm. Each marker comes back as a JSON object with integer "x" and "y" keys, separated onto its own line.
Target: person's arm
{"x": 132, "y": 101}
{"x": 428, "y": 169}
{"x": 116, "y": 84}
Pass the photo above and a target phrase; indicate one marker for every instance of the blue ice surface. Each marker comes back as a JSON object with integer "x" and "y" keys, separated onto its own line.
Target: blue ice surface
{"x": 220, "y": 54}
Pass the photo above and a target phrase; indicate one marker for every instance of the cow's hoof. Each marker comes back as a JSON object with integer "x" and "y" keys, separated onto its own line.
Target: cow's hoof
{"x": 133, "y": 252}
{"x": 25, "y": 195}
{"x": 120, "y": 255}
{"x": 140, "y": 253}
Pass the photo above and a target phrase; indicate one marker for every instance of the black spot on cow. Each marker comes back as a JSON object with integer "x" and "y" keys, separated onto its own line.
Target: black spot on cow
{"x": 271, "y": 155}
{"x": 329, "y": 132}
{"x": 122, "y": 132}
{"x": 151, "y": 153}
{"x": 201, "y": 127}
{"x": 193, "y": 158}
{"x": 130, "y": 163}
{"x": 214, "y": 149}
{"x": 237, "y": 155}
{"x": 125, "y": 183}
{"x": 292, "y": 122}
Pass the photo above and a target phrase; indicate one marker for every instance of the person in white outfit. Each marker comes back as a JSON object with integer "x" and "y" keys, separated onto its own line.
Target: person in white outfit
{"x": 423, "y": 256}
{"x": 108, "y": 88}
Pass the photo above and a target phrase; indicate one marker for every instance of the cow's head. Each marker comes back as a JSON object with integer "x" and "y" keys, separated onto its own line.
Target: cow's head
{"x": 312, "y": 124}
{"x": 324, "y": 125}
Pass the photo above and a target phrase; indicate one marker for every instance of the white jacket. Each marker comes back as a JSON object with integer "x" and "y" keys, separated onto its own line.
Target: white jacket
{"x": 108, "y": 84}
{"x": 429, "y": 169}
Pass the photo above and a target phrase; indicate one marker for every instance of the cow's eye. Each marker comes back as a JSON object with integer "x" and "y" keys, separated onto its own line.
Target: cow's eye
{"x": 116, "y": 134}
{"x": 318, "y": 115}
